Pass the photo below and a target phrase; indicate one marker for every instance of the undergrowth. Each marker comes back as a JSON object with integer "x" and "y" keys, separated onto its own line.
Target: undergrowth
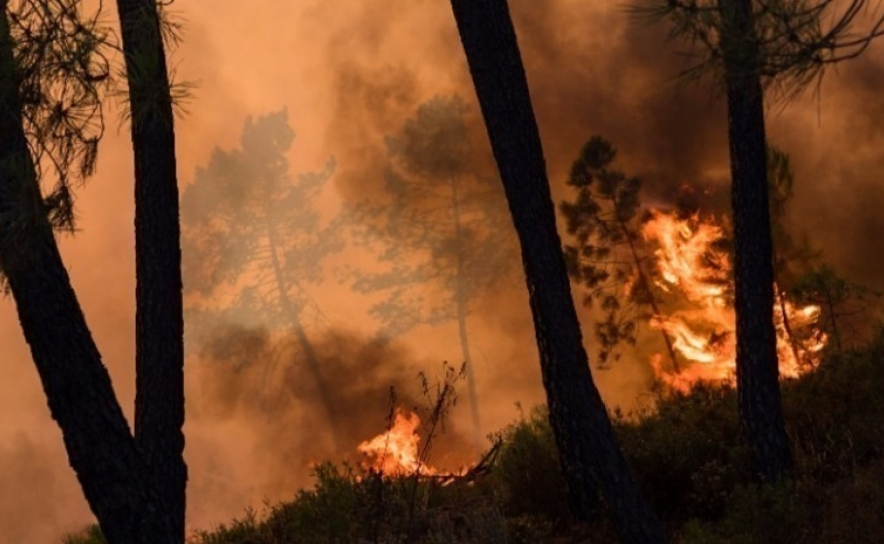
{"x": 687, "y": 453}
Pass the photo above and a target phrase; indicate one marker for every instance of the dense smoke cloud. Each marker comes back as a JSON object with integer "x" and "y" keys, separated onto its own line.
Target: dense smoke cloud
{"x": 256, "y": 426}
{"x": 351, "y": 73}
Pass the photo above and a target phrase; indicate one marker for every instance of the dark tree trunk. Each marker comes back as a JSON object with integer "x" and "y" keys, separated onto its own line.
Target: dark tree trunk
{"x": 102, "y": 452}
{"x": 159, "y": 324}
{"x": 587, "y": 447}
{"x": 757, "y": 371}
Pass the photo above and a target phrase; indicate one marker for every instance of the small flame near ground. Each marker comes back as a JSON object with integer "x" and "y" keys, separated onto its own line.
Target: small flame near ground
{"x": 697, "y": 274}
{"x": 396, "y": 452}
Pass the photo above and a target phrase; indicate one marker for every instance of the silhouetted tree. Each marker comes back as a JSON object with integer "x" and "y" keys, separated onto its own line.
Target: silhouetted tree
{"x": 585, "y": 439}
{"x": 748, "y": 43}
{"x": 846, "y": 307}
{"x": 159, "y": 321}
{"x": 608, "y": 256}
{"x": 50, "y": 68}
{"x": 248, "y": 223}
{"x": 442, "y": 227}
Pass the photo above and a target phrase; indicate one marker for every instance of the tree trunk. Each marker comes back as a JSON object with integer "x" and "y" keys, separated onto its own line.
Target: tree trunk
{"x": 310, "y": 358}
{"x": 102, "y": 452}
{"x": 757, "y": 371}
{"x": 159, "y": 322}
{"x": 587, "y": 447}
{"x": 461, "y": 302}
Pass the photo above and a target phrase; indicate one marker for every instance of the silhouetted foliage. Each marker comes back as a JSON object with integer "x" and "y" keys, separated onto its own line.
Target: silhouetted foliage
{"x": 62, "y": 71}
{"x": 793, "y": 41}
{"x": 609, "y": 253}
{"x": 847, "y": 309}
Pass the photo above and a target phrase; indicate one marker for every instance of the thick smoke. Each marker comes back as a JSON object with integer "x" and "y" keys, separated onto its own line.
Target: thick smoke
{"x": 255, "y": 426}
{"x": 350, "y": 73}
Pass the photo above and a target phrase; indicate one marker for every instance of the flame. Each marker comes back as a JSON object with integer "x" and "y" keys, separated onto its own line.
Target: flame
{"x": 690, "y": 266}
{"x": 395, "y": 452}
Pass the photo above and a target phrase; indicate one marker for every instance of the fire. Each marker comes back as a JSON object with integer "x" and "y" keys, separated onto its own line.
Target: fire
{"x": 691, "y": 268}
{"x": 395, "y": 452}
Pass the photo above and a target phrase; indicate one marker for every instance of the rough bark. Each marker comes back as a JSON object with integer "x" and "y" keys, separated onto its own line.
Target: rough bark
{"x": 757, "y": 370}
{"x": 587, "y": 447}
{"x": 102, "y": 452}
{"x": 159, "y": 322}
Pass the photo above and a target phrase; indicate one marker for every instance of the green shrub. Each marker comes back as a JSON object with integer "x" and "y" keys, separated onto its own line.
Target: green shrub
{"x": 527, "y": 470}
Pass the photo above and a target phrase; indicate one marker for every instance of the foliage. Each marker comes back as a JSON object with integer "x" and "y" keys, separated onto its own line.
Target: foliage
{"x": 89, "y": 535}
{"x": 847, "y": 308}
{"x": 794, "y": 40}
{"x": 438, "y": 225}
{"x": 528, "y": 469}
{"x": 248, "y": 224}
{"x": 62, "y": 71}
{"x": 687, "y": 453}
{"x": 608, "y": 254}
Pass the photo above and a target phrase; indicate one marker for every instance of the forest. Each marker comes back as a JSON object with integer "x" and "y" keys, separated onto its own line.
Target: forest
{"x": 454, "y": 272}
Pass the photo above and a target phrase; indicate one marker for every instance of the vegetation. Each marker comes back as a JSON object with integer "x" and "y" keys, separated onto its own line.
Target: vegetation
{"x": 51, "y": 60}
{"x": 749, "y": 45}
{"x": 439, "y": 226}
{"x": 588, "y": 452}
{"x": 252, "y": 233}
{"x": 688, "y": 456}
{"x": 606, "y": 259}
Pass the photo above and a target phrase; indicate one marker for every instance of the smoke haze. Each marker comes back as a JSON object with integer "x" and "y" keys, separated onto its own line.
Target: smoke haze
{"x": 350, "y": 73}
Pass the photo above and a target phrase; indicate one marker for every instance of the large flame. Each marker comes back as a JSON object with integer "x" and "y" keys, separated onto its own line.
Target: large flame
{"x": 690, "y": 267}
{"x": 395, "y": 452}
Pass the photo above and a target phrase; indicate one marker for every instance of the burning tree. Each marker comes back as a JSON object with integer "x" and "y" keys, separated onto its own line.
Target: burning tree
{"x": 249, "y": 225}
{"x": 443, "y": 228}
{"x": 748, "y": 44}
{"x": 693, "y": 266}
{"x": 608, "y": 257}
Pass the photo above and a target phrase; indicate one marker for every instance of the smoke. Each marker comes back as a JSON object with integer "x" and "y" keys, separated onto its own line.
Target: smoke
{"x": 255, "y": 425}
{"x": 351, "y": 73}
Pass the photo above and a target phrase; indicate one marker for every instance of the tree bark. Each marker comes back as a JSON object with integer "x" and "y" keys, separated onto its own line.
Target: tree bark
{"x": 159, "y": 322}
{"x": 585, "y": 438}
{"x": 115, "y": 479}
{"x": 757, "y": 370}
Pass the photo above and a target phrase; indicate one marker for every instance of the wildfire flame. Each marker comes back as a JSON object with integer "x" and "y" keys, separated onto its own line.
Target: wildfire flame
{"x": 395, "y": 452}
{"x": 690, "y": 266}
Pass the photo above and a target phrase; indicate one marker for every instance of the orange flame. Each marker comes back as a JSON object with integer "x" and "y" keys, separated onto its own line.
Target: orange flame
{"x": 702, "y": 328}
{"x": 395, "y": 452}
